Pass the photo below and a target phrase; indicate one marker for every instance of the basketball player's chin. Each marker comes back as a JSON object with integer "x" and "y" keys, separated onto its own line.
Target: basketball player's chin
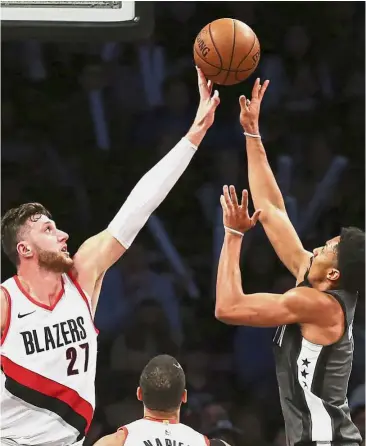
{"x": 66, "y": 262}
{"x": 61, "y": 264}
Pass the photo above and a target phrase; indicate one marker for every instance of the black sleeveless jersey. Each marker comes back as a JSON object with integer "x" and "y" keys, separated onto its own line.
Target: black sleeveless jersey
{"x": 313, "y": 381}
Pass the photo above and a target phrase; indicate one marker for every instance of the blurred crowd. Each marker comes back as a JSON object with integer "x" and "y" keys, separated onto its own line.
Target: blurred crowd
{"x": 81, "y": 123}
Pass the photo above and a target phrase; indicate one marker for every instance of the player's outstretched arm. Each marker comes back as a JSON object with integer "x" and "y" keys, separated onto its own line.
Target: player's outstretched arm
{"x": 265, "y": 191}
{"x": 100, "y": 252}
{"x": 233, "y": 306}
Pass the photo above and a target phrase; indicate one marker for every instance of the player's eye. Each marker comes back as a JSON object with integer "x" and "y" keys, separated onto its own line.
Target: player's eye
{"x": 48, "y": 229}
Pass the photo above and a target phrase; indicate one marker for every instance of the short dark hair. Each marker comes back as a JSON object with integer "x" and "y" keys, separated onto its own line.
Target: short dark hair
{"x": 351, "y": 260}
{"x": 13, "y": 222}
{"x": 162, "y": 384}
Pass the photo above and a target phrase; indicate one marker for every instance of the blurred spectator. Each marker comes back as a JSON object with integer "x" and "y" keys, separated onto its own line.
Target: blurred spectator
{"x": 176, "y": 114}
{"x": 127, "y": 284}
{"x": 224, "y": 430}
{"x": 147, "y": 335}
{"x": 280, "y": 439}
{"x": 247, "y": 417}
{"x": 197, "y": 365}
{"x": 212, "y": 414}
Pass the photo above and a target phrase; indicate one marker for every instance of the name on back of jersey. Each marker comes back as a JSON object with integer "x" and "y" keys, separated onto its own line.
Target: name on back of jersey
{"x": 165, "y": 442}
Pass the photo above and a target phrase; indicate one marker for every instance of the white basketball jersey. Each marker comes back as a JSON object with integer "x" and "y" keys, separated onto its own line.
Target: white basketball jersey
{"x": 148, "y": 432}
{"x": 48, "y": 362}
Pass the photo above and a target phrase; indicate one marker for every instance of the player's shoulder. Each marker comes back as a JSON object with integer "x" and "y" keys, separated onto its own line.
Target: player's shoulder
{"x": 317, "y": 299}
{"x": 7, "y": 282}
{"x": 4, "y": 297}
{"x": 116, "y": 439}
{"x": 193, "y": 434}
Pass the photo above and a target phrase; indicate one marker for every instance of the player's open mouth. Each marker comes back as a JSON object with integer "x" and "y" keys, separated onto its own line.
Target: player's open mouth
{"x": 64, "y": 249}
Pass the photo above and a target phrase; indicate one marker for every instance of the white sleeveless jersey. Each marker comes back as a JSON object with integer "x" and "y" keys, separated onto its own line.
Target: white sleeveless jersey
{"x": 147, "y": 432}
{"x": 48, "y": 362}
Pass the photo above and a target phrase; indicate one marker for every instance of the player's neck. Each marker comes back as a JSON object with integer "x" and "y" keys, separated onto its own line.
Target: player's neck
{"x": 41, "y": 284}
{"x": 172, "y": 417}
{"x": 321, "y": 285}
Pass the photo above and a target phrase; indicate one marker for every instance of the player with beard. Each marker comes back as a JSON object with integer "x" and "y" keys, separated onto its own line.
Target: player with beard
{"x": 49, "y": 342}
{"x": 313, "y": 344}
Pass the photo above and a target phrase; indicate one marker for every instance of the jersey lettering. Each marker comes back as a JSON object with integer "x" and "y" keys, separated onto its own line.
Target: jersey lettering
{"x": 73, "y": 330}
{"x": 55, "y": 336}
{"x": 48, "y": 338}
{"x": 165, "y": 442}
{"x": 80, "y": 322}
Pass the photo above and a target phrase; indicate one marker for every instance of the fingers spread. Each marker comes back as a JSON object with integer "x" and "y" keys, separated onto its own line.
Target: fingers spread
{"x": 209, "y": 87}
{"x": 223, "y": 205}
{"x": 256, "y": 88}
{"x": 202, "y": 84}
{"x": 234, "y": 198}
{"x": 263, "y": 89}
{"x": 256, "y": 216}
{"x": 228, "y": 201}
{"x": 243, "y": 103}
{"x": 215, "y": 99}
{"x": 244, "y": 199}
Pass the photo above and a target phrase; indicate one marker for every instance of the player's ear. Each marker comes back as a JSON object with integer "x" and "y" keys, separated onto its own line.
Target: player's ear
{"x": 24, "y": 250}
{"x": 139, "y": 393}
{"x": 333, "y": 274}
{"x": 184, "y": 396}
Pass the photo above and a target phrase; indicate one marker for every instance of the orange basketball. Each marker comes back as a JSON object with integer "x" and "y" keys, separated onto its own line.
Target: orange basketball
{"x": 227, "y": 51}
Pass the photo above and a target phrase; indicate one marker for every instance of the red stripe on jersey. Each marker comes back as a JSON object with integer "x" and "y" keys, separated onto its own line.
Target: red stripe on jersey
{"x": 48, "y": 387}
{"x": 161, "y": 420}
{"x": 7, "y": 322}
{"x": 207, "y": 440}
{"x": 83, "y": 295}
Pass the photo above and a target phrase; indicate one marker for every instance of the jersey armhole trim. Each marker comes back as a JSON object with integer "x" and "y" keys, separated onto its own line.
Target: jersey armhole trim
{"x": 83, "y": 296}
{"x": 344, "y": 311}
{"x": 8, "y": 316}
{"x": 207, "y": 441}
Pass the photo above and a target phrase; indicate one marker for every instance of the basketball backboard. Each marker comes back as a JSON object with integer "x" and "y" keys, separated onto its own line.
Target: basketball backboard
{"x": 81, "y": 20}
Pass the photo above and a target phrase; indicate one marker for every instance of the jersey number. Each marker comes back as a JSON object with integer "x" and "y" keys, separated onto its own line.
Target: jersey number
{"x": 71, "y": 355}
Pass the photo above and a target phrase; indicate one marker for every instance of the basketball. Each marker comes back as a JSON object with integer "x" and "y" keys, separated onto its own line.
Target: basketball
{"x": 227, "y": 51}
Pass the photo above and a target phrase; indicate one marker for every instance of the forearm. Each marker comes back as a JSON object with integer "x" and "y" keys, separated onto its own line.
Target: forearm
{"x": 229, "y": 285}
{"x": 153, "y": 187}
{"x": 263, "y": 186}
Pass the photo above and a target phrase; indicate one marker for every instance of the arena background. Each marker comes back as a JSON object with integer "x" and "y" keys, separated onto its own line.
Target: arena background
{"x": 81, "y": 123}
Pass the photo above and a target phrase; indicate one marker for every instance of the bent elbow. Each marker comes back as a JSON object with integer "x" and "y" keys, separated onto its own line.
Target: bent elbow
{"x": 223, "y": 315}
{"x": 219, "y": 313}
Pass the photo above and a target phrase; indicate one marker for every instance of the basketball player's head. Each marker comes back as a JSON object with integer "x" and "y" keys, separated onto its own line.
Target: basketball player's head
{"x": 341, "y": 262}
{"x": 29, "y": 236}
{"x": 162, "y": 385}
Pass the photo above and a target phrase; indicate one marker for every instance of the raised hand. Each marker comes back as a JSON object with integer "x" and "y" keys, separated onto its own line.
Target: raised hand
{"x": 206, "y": 110}
{"x": 250, "y": 108}
{"x": 236, "y": 215}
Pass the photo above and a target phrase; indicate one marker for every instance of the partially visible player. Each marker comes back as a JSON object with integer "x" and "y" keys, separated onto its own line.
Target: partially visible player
{"x": 48, "y": 342}
{"x": 313, "y": 344}
{"x": 162, "y": 391}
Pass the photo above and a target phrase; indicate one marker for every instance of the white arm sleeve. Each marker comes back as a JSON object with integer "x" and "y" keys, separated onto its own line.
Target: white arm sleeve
{"x": 149, "y": 192}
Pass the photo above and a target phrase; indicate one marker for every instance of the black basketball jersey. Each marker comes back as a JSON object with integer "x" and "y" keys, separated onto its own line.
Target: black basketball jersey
{"x": 313, "y": 381}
